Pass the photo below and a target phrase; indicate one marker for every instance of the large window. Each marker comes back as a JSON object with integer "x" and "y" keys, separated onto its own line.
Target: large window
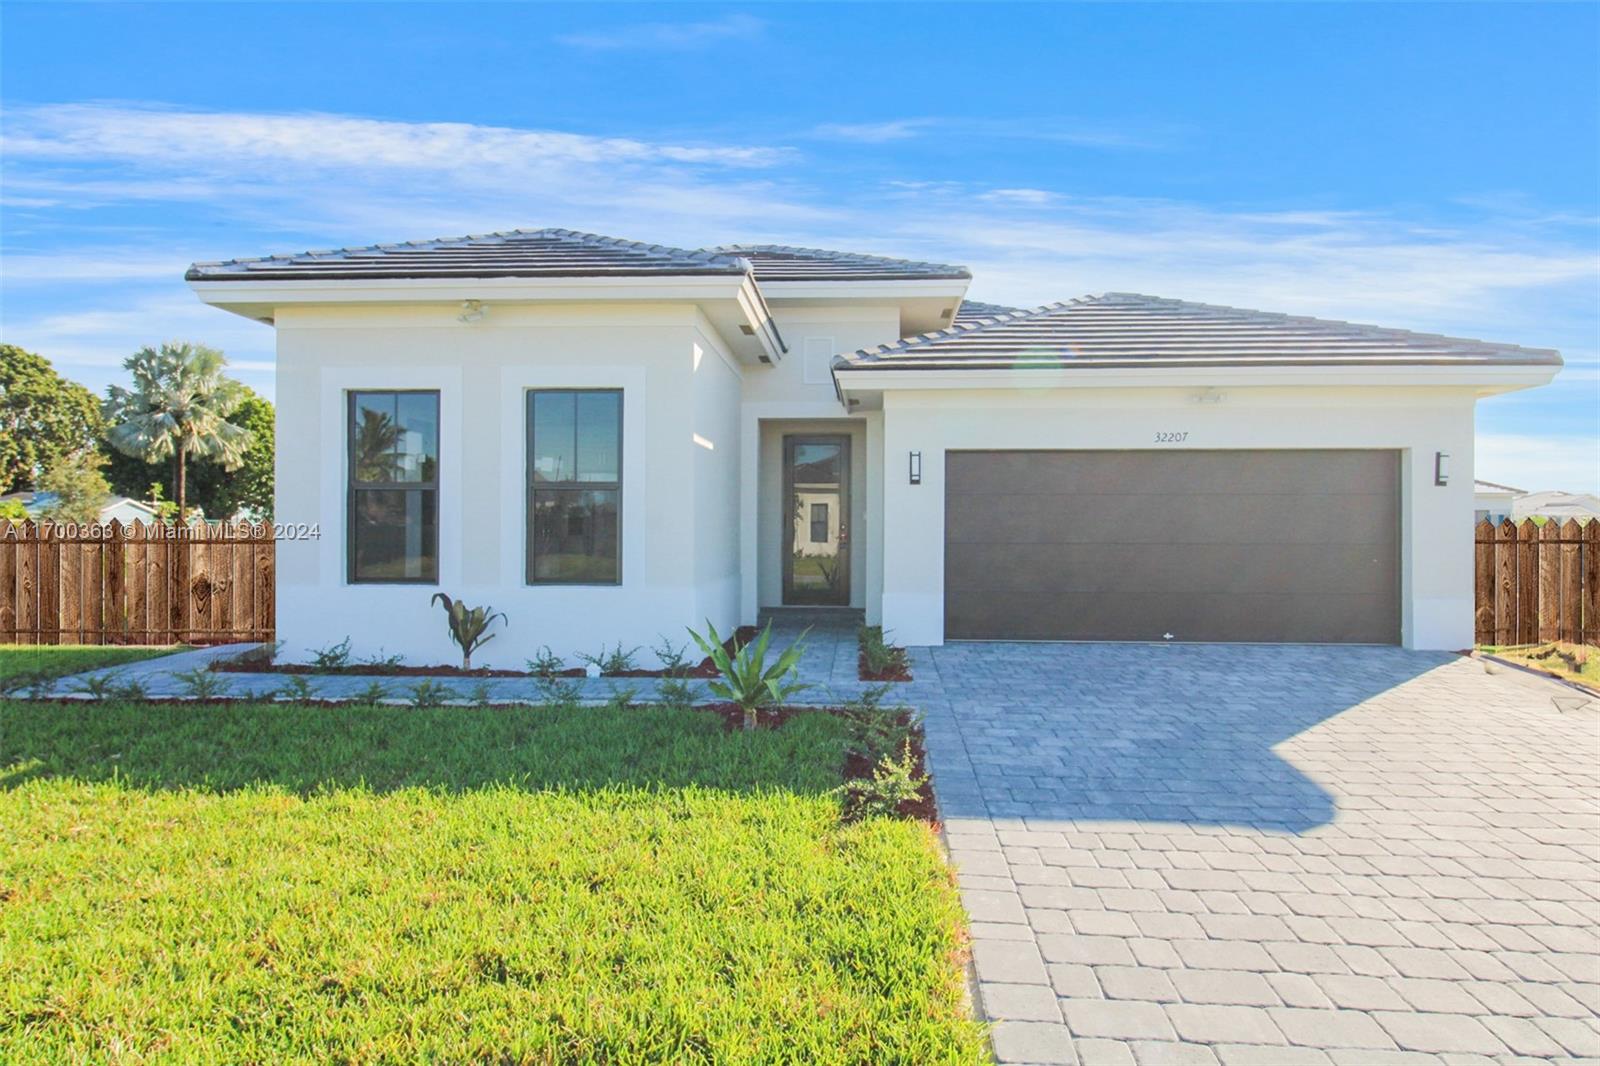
{"x": 574, "y": 486}
{"x": 394, "y": 487}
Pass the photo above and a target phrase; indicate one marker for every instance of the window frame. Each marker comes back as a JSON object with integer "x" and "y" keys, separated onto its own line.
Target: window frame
{"x": 353, "y": 486}
{"x": 530, "y": 488}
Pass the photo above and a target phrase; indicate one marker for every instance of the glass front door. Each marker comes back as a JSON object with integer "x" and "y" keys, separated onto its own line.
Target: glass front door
{"x": 816, "y": 525}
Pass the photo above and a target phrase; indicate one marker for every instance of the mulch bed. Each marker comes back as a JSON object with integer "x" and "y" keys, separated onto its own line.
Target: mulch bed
{"x": 899, "y": 672}
{"x": 856, "y": 765}
{"x": 247, "y": 665}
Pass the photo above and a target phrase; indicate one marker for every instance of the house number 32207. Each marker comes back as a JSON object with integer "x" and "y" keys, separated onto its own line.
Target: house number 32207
{"x": 1172, "y": 438}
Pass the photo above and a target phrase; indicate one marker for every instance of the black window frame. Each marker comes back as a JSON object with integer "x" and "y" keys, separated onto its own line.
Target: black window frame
{"x": 531, "y": 488}
{"x": 353, "y": 486}
{"x": 823, "y": 521}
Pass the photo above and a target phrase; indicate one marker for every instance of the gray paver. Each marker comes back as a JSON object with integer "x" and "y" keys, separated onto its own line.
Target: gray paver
{"x": 1303, "y": 839}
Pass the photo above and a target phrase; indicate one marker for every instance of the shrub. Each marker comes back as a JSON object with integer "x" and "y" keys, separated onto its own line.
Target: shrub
{"x": 468, "y": 625}
{"x": 200, "y": 683}
{"x": 623, "y": 696}
{"x": 97, "y": 687}
{"x": 675, "y": 692}
{"x": 558, "y": 691}
{"x": 382, "y": 661}
{"x": 132, "y": 689}
{"x": 614, "y": 662}
{"x": 297, "y": 688}
{"x": 879, "y": 658}
{"x": 745, "y": 679}
{"x": 893, "y": 782}
{"x": 479, "y": 694}
{"x": 674, "y": 661}
{"x": 333, "y": 657}
{"x": 875, "y": 729}
{"x": 373, "y": 693}
{"x": 429, "y": 693}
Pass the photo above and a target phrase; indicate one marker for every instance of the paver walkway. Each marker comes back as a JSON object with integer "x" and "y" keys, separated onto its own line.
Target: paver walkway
{"x": 1270, "y": 854}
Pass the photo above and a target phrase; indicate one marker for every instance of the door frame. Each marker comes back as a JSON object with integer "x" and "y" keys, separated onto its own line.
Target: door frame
{"x": 842, "y": 583}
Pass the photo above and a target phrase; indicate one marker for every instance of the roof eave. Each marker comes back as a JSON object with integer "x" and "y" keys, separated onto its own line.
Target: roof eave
{"x": 1485, "y": 378}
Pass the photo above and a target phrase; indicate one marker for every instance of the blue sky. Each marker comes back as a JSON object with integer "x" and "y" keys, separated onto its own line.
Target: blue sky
{"x": 1433, "y": 167}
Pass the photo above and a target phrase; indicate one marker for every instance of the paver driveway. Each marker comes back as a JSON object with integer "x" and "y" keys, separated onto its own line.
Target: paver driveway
{"x": 1269, "y": 854}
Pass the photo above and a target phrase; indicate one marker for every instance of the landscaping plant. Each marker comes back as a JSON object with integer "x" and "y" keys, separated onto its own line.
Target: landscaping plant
{"x": 373, "y": 693}
{"x": 296, "y": 688}
{"x": 879, "y": 659}
{"x": 674, "y": 660}
{"x": 612, "y": 663}
{"x": 745, "y": 679}
{"x": 894, "y": 781}
{"x": 429, "y": 693}
{"x": 200, "y": 683}
{"x": 468, "y": 625}
{"x": 333, "y": 657}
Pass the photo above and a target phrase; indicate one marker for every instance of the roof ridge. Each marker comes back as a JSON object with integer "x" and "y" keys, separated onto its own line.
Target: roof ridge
{"x": 960, "y": 329}
{"x": 1283, "y": 316}
{"x": 833, "y": 254}
{"x": 659, "y": 253}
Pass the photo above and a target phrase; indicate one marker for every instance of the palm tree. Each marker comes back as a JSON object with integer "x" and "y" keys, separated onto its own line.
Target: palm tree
{"x": 178, "y": 407}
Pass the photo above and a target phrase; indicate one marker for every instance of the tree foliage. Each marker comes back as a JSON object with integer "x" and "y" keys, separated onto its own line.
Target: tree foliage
{"x": 77, "y": 484}
{"x": 43, "y": 417}
{"x": 218, "y": 492}
{"x": 178, "y": 410}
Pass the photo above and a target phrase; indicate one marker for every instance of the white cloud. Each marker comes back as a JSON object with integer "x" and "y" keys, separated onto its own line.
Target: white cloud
{"x": 1532, "y": 462}
{"x": 172, "y": 138}
{"x": 1029, "y": 197}
{"x": 671, "y": 36}
{"x": 875, "y": 132}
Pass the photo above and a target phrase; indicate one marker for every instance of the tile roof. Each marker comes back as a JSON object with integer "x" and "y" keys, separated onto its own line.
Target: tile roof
{"x": 518, "y": 253}
{"x": 781, "y": 262}
{"x": 1128, "y": 330}
{"x": 972, "y": 311}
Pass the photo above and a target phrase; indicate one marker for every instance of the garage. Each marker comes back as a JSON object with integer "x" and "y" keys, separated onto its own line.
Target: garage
{"x": 1240, "y": 545}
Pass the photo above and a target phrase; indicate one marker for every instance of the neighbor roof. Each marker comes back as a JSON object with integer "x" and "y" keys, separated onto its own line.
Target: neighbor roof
{"x": 1129, "y": 330}
{"x": 515, "y": 254}
{"x": 1493, "y": 487}
{"x": 781, "y": 262}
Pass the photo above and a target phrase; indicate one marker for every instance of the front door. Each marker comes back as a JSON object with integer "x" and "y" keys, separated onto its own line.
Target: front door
{"x": 816, "y": 525}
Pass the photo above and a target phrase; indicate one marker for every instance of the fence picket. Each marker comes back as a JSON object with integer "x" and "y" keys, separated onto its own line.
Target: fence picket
{"x": 1535, "y": 584}
{"x": 134, "y": 584}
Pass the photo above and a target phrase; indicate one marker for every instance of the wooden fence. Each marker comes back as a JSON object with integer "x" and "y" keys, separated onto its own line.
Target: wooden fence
{"x": 136, "y": 584}
{"x": 1538, "y": 583}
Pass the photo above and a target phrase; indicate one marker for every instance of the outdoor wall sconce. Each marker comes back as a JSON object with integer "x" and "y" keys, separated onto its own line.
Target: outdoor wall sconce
{"x": 916, "y": 468}
{"x": 1441, "y": 468}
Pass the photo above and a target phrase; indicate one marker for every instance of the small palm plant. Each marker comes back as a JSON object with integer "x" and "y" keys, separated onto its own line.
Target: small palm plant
{"x": 745, "y": 678}
{"x": 469, "y": 625}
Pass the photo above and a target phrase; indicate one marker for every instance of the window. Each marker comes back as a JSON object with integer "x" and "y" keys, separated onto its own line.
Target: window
{"x": 574, "y": 486}
{"x": 819, "y": 523}
{"x": 393, "y": 516}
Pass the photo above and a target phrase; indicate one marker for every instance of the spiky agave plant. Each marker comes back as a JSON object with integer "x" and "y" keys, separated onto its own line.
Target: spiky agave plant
{"x": 469, "y": 625}
{"x": 745, "y": 678}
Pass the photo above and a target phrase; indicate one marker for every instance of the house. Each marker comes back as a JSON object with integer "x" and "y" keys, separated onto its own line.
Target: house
{"x": 123, "y": 509}
{"x": 612, "y": 441}
{"x": 1492, "y": 502}
{"x": 1557, "y": 506}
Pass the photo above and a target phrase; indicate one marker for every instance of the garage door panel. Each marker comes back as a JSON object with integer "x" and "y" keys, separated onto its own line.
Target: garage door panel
{"x": 1105, "y": 568}
{"x": 1206, "y": 545}
{"x": 1247, "y": 618}
{"x": 1142, "y": 519}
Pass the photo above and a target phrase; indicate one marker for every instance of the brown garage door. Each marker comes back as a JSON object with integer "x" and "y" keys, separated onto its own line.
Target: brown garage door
{"x": 1204, "y": 545}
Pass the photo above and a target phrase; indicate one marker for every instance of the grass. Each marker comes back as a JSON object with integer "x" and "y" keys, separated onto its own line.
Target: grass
{"x": 61, "y": 660}
{"x": 253, "y": 883}
{"x": 1579, "y": 663}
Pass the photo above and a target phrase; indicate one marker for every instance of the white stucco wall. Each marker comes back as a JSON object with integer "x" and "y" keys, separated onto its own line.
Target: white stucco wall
{"x": 797, "y": 395}
{"x": 676, "y": 571}
{"x": 1436, "y": 531}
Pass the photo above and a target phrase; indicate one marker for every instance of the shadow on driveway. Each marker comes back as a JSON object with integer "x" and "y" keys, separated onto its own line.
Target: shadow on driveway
{"x": 1149, "y": 733}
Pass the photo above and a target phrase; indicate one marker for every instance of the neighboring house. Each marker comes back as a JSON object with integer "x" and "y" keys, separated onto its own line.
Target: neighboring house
{"x": 121, "y": 508}
{"x": 611, "y": 441}
{"x": 1559, "y": 506}
{"x": 1492, "y": 502}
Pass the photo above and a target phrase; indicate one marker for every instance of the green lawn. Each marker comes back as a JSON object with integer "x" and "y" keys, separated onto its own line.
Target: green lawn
{"x": 247, "y": 883}
{"x": 60, "y": 660}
